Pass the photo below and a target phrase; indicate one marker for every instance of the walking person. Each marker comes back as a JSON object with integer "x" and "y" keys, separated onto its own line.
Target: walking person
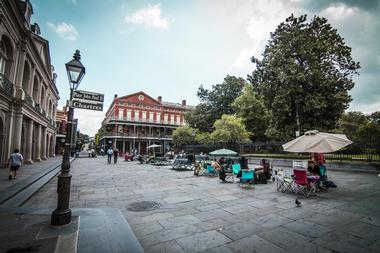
{"x": 115, "y": 154}
{"x": 109, "y": 155}
{"x": 14, "y": 161}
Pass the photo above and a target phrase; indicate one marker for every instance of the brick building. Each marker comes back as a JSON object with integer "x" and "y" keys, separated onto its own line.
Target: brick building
{"x": 136, "y": 121}
{"x": 61, "y": 121}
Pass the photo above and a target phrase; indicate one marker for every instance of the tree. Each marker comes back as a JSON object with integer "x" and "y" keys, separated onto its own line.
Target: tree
{"x": 305, "y": 73}
{"x": 203, "y": 138}
{"x": 350, "y": 123}
{"x": 230, "y": 130}
{"x": 183, "y": 135}
{"x": 215, "y": 103}
{"x": 251, "y": 108}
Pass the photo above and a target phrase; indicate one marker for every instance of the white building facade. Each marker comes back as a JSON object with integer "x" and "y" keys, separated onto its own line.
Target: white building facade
{"x": 28, "y": 94}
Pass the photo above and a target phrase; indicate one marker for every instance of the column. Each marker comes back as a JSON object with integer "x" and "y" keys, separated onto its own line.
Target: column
{"x": 54, "y": 140}
{"x": 43, "y": 146}
{"x": 29, "y": 143}
{"x": 17, "y": 131}
{"x": 47, "y": 148}
{"x": 139, "y": 146}
{"x": 123, "y": 146}
{"x": 19, "y": 69}
{"x": 37, "y": 157}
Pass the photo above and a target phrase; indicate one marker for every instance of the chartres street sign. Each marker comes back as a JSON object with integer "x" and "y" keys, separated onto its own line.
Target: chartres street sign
{"x": 82, "y": 104}
{"x": 87, "y": 95}
{"x": 87, "y": 100}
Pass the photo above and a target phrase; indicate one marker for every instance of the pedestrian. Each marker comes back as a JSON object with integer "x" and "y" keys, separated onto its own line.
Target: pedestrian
{"x": 102, "y": 151}
{"x": 109, "y": 155}
{"x": 115, "y": 154}
{"x": 14, "y": 161}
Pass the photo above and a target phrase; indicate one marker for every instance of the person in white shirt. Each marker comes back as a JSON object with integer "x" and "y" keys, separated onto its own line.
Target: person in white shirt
{"x": 14, "y": 161}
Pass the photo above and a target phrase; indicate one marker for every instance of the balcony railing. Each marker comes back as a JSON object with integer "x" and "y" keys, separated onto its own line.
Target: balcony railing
{"x": 162, "y": 122}
{"x": 6, "y": 85}
{"x": 131, "y": 135}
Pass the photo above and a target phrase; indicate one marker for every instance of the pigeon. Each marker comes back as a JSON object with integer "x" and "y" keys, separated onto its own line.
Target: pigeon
{"x": 298, "y": 203}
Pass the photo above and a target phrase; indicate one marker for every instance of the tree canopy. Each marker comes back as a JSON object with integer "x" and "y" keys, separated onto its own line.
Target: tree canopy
{"x": 183, "y": 135}
{"x": 251, "y": 109}
{"x": 230, "y": 129}
{"x": 306, "y": 70}
{"x": 215, "y": 103}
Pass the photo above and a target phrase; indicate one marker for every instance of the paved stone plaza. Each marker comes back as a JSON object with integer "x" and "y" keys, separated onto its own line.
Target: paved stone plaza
{"x": 201, "y": 214}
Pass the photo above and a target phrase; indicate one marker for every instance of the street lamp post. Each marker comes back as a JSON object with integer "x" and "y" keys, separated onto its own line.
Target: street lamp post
{"x": 62, "y": 214}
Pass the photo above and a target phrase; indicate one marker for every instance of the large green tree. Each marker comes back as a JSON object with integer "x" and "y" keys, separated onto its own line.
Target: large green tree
{"x": 230, "y": 130}
{"x": 251, "y": 108}
{"x": 350, "y": 123}
{"x": 215, "y": 103}
{"x": 183, "y": 135}
{"x": 306, "y": 72}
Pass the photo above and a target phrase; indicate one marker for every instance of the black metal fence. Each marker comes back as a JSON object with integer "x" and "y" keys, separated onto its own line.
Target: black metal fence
{"x": 354, "y": 152}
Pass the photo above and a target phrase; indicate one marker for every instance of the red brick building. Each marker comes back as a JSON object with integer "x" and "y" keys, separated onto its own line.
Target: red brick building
{"x": 136, "y": 121}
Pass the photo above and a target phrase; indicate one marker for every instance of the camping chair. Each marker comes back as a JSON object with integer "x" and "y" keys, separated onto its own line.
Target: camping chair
{"x": 247, "y": 177}
{"x": 284, "y": 183}
{"x": 235, "y": 168}
{"x": 301, "y": 183}
{"x": 210, "y": 170}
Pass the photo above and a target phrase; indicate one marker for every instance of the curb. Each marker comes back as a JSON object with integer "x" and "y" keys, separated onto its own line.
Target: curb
{"x": 21, "y": 195}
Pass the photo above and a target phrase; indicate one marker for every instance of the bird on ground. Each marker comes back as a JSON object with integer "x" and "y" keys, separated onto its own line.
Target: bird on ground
{"x": 298, "y": 203}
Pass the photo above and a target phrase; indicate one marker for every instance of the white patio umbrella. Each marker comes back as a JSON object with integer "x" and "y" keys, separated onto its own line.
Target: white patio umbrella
{"x": 154, "y": 146}
{"x": 317, "y": 142}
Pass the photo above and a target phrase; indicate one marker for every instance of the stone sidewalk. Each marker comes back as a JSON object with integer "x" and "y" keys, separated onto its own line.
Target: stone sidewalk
{"x": 27, "y": 170}
{"x": 201, "y": 214}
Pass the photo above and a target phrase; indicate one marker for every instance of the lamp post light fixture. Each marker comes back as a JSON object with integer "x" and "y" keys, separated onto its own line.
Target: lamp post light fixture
{"x": 62, "y": 214}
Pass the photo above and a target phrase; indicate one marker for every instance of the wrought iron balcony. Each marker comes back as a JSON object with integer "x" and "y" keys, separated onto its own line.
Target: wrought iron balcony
{"x": 6, "y": 85}
{"x": 142, "y": 120}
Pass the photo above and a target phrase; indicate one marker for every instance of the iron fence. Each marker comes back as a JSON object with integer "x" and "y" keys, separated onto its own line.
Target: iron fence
{"x": 355, "y": 152}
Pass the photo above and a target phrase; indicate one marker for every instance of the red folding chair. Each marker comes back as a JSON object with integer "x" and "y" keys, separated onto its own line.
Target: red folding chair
{"x": 301, "y": 184}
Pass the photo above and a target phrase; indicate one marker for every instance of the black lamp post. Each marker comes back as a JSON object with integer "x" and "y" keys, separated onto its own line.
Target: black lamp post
{"x": 62, "y": 214}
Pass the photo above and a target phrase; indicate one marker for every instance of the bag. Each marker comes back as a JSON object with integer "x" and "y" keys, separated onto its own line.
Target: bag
{"x": 329, "y": 184}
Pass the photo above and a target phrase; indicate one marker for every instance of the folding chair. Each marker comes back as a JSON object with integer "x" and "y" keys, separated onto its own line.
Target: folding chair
{"x": 284, "y": 183}
{"x": 301, "y": 183}
{"x": 235, "y": 168}
{"x": 247, "y": 177}
{"x": 210, "y": 170}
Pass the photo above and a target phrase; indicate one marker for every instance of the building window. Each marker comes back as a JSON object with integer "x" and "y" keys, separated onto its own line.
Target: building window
{"x": 121, "y": 112}
{"x": 137, "y": 115}
{"x": 3, "y": 57}
{"x": 166, "y": 116}
{"x": 129, "y": 114}
{"x": 143, "y": 117}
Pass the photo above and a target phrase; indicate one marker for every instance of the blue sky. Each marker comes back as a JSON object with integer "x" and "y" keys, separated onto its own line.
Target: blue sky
{"x": 170, "y": 48}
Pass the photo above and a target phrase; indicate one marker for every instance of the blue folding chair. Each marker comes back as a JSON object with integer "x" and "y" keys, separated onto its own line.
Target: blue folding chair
{"x": 236, "y": 168}
{"x": 247, "y": 177}
{"x": 210, "y": 170}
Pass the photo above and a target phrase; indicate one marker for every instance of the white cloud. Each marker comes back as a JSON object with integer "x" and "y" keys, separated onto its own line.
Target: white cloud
{"x": 64, "y": 30}
{"x": 149, "y": 16}
{"x": 89, "y": 122}
{"x": 339, "y": 11}
{"x": 263, "y": 18}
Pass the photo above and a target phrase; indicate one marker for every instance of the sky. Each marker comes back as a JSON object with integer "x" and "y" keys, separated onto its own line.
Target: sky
{"x": 169, "y": 48}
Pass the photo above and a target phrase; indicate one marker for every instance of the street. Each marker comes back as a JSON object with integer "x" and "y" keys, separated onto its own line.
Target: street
{"x": 197, "y": 214}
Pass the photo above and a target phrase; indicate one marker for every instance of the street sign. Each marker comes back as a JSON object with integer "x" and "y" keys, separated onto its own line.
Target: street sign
{"x": 88, "y": 96}
{"x": 83, "y": 104}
